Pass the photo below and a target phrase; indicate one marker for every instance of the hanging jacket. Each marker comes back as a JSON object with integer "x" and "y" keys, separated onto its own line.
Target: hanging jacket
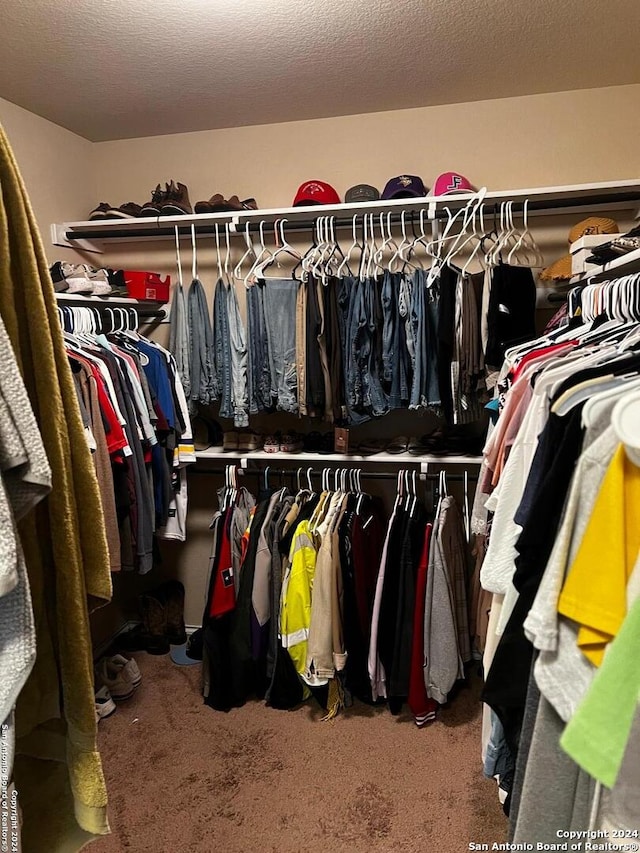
{"x": 295, "y": 616}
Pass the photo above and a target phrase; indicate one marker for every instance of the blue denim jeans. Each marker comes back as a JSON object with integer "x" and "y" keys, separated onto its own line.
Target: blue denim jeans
{"x": 395, "y": 355}
{"x": 222, "y": 348}
{"x": 238, "y": 344}
{"x": 347, "y": 299}
{"x": 258, "y": 368}
{"x": 432, "y": 306}
{"x": 279, "y": 299}
{"x": 375, "y": 398}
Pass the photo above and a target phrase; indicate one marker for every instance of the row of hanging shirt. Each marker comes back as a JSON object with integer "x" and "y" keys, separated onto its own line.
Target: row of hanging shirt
{"x": 561, "y": 486}
{"x": 137, "y": 427}
{"x": 314, "y": 593}
{"x": 350, "y": 344}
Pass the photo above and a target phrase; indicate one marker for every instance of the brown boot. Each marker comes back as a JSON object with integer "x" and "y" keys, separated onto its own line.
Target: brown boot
{"x": 154, "y": 620}
{"x": 176, "y": 201}
{"x": 172, "y": 594}
{"x": 152, "y": 208}
{"x": 216, "y": 204}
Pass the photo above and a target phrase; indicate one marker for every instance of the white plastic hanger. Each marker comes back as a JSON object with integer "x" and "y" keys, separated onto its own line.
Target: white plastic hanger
{"x": 194, "y": 256}
{"x": 625, "y": 420}
{"x": 218, "y": 255}
{"x": 354, "y": 245}
{"x": 178, "y": 261}
{"x": 237, "y": 272}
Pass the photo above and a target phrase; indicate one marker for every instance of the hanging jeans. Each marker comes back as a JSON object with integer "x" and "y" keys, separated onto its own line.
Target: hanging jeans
{"x": 279, "y": 297}
{"x": 424, "y": 330}
{"x": 237, "y": 340}
{"x": 258, "y": 369}
{"x": 222, "y": 348}
{"x": 395, "y": 355}
{"x": 202, "y": 357}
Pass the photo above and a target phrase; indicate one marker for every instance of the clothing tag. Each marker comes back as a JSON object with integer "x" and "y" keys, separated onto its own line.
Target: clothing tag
{"x": 341, "y": 440}
{"x": 172, "y": 512}
{"x": 503, "y": 309}
{"x": 227, "y": 576}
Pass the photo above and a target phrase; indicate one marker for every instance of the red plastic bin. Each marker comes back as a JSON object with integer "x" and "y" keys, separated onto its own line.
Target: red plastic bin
{"x": 147, "y": 285}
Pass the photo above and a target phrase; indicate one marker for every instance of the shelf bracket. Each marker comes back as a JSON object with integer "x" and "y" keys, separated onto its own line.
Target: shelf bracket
{"x": 59, "y": 238}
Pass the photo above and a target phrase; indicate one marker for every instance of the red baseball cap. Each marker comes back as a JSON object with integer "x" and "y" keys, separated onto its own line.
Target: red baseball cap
{"x": 316, "y": 192}
{"x": 449, "y": 183}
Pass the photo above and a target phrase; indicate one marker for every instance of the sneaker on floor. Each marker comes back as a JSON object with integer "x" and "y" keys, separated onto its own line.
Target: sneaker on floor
{"x": 115, "y": 679}
{"x": 130, "y": 668}
{"x": 105, "y": 706}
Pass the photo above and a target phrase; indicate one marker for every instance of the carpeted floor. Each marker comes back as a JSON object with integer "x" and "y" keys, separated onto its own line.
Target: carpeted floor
{"x": 186, "y": 779}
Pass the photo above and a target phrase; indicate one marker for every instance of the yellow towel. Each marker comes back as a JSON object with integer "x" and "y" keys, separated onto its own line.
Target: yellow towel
{"x": 63, "y": 539}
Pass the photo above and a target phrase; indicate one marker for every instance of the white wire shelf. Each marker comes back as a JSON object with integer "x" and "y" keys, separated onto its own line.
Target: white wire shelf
{"x": 327, "y": 459}
{"x": 570, "y": 199}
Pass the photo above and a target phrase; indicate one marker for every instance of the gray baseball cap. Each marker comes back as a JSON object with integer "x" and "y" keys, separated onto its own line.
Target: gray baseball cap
{"x": 362, "y": 192}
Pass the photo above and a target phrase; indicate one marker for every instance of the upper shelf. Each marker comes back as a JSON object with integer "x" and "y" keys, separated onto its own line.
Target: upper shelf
{"x": 624, "y": 265}
{"x": 575, "y": 198}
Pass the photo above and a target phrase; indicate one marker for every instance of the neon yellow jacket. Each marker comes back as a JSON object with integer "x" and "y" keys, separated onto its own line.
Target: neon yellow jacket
{"x": 297, "y": 589}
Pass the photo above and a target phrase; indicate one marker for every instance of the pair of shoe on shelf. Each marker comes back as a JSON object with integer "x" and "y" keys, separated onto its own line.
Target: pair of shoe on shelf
{"x": 437, "y": 443}
{"x": 116, "y": 678}
{"x": 219, "y": 204}
{"x": 81, "y": 278}
{"x": 173, "y": 200}
{"x": 162, "y": 612}
{"x": 286, "y": 442}
{"x": 243, "y": 441}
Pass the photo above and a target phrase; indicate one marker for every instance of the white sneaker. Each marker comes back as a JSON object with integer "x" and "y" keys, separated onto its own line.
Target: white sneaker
{"x": 115, "y": 679}
{"x": 130, "y": 668}
{"x": 105, "y": 706}
{"x": 77, "y": 279}
{"x": 99, "y": 281}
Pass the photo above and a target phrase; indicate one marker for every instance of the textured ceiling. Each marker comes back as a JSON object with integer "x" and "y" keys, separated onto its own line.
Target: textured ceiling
{"x": 110, "y": 69}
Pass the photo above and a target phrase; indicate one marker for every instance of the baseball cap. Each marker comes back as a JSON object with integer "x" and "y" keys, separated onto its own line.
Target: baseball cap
{"x": 561, "y": 269}
{"x": 316, "y": 192}
{"x": 362, "y": 192}
{"x": 404, "y": 186}
{"x": 449, "y": 183}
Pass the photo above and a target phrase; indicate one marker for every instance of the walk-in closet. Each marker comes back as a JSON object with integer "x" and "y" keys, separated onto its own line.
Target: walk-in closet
{"x": 319, "y": 426}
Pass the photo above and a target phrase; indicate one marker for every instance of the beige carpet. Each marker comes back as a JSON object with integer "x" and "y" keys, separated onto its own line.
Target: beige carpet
{"x": 186, "y": 779}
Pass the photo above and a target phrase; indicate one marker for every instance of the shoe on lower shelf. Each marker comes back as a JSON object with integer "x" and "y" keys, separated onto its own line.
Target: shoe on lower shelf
{"x": 105, "y": 706}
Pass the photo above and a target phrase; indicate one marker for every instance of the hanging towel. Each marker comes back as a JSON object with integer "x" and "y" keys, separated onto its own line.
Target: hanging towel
{"x": 64, "y": 540}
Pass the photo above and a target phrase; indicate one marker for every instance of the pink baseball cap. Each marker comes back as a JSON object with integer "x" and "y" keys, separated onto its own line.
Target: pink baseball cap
{"x": 449, "y": 183}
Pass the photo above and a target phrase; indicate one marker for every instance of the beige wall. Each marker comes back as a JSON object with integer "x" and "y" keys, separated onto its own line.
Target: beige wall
{"x": 561, "y": 138}
{"x": 57, "y": 168}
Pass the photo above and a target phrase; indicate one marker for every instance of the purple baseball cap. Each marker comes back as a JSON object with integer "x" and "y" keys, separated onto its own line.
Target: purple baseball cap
{"x": 404, "y": 186}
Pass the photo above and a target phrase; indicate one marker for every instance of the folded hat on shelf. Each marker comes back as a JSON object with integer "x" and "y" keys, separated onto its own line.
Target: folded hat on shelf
{"x": 404, "y": 186}
{"x": 315, "y": 192}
